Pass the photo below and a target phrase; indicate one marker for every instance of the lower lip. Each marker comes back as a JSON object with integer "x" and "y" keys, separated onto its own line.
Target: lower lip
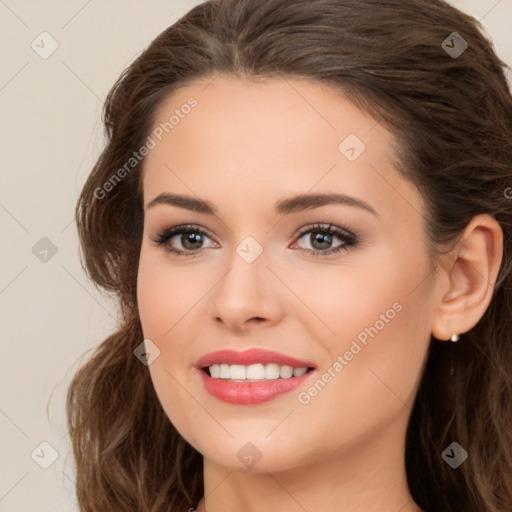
{"x": 249, "y": 393}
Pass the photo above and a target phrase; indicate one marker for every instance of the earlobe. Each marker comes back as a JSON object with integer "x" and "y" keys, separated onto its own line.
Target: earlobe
{"x": 470, "y": 278}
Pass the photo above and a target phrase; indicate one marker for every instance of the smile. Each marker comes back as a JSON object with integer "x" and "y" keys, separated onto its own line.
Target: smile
{"x": 252, "y": 376}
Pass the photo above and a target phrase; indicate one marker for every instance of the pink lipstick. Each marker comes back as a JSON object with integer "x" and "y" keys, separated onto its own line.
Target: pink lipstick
{"x": 247, "y": 391}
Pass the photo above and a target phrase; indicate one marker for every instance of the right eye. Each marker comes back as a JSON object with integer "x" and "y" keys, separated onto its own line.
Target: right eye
{"x": 187, "y": 236}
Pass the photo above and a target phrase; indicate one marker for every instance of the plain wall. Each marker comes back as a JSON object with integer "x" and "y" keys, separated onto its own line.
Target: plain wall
{"x": 51, "y": 134}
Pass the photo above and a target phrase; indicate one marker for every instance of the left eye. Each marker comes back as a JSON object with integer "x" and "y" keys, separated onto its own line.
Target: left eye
{"x": 323, "y": 235}
{"x": 319, "y": 237}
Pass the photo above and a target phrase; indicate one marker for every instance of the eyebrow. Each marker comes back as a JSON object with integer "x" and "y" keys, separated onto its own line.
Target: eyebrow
{"x": 284, "y": 206}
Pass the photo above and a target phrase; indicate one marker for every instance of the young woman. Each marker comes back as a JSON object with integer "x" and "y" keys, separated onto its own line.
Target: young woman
{"x": 305, "y": 211}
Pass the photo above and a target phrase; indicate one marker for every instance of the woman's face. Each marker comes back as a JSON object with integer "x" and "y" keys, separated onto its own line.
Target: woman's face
{"x": 262, "y": 272}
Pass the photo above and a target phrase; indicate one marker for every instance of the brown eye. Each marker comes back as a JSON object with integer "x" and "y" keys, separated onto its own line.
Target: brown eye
{"x": 182, "y": 239}
{"x": 321, "y": 238}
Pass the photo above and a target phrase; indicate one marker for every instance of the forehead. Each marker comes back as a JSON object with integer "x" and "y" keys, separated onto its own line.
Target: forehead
{"x": 229, "y": 111}
{"x": 263, "y": 138}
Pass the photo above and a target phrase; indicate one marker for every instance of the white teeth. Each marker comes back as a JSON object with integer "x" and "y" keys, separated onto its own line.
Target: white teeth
{"x": 297, "y": 372}
{"x": 238, "y": 371}
{"x": 272, "y": 371}
{"x": 286, "y": 372}
{"x": 257, "y": 371}
{"x": 215, "y": 371}
{"x": 224, "y": 371}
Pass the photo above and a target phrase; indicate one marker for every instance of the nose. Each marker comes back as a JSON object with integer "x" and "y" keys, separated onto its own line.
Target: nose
{"x": 249, "y": 295}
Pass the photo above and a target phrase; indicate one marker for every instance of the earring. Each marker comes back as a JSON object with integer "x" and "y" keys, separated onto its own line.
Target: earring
{"x": 455, "y": 338}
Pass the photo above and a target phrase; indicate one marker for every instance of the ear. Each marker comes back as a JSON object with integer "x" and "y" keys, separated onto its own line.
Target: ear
{"x": 468, "y": 276}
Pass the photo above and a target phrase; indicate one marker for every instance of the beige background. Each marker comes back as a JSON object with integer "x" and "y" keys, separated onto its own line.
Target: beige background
{"x": 51, "y": 133}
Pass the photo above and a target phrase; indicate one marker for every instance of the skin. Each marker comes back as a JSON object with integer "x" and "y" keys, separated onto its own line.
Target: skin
{"x": 246, "y": 145}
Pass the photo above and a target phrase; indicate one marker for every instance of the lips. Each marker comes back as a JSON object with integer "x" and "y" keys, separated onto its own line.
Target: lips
{"x": 251, "y": 356}
{"x": 251, "y": 392}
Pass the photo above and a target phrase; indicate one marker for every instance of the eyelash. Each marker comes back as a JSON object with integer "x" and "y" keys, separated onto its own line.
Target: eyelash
{"x": 349, "y": 239}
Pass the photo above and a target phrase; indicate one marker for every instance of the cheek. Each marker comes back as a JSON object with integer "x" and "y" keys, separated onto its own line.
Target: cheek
{"x": 350, "y": 297}
{"x": 161, "y": 306}
{"x": 162, "y": 294}
{"x": 375, "y": 316}
{"x": 388, "y": 341}
{"x": 153, "y": 301}
{"x": 374, "y": 361}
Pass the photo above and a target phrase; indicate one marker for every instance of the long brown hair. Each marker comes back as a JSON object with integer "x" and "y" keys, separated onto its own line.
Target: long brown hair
{"x": 452, "y": 116}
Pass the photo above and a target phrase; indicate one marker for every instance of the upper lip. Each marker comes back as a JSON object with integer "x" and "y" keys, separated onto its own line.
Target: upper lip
{"x": 251, "y": 356}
